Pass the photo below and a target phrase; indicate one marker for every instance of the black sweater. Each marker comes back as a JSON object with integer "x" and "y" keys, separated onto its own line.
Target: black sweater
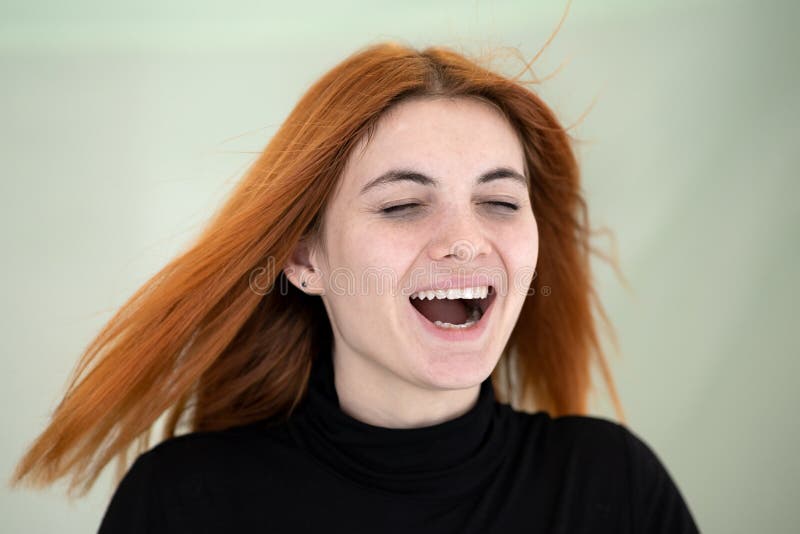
{"x": 490, "y": 470}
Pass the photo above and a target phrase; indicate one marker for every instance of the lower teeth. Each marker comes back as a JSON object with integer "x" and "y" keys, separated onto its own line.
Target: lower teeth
{"x": 474, "y": 318}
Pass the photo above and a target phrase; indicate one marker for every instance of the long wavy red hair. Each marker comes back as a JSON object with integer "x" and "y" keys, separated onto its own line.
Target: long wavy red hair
{"x": 199, "y": 346}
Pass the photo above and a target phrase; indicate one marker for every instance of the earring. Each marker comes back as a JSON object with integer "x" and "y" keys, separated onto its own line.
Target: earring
{"x": 303, "y": 283}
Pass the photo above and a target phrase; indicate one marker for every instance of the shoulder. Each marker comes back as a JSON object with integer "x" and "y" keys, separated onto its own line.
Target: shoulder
{"x": 612, "y": 464}
{"x": 590, "y": 437}
{"x": 220, "y": 459}
{"x": 593, "y": 450}
{"x": 179, "y": 482}
{"x": 593, "y": 432}
{"x": 607, "y": 446}
{"x": 196, "y": 465}
{"x": 593, "y": 444}
{"x": 590, "y": 434}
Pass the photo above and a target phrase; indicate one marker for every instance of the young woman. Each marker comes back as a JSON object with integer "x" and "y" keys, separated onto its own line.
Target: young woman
{"x": 388, "y": 327}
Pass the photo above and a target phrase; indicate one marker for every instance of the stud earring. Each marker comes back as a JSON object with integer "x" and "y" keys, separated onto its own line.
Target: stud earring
{"x": 303, "y": 283}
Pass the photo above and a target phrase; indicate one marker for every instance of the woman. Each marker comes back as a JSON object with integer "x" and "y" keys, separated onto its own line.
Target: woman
{"x": 359, "y": 341}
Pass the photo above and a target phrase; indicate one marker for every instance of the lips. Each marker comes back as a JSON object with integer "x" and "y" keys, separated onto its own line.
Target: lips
{"x": 451, "y": 335}
{"x": 453, "y": 311}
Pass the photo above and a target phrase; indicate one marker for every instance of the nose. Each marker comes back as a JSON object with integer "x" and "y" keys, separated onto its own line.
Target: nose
{"x": 459, "y": 236}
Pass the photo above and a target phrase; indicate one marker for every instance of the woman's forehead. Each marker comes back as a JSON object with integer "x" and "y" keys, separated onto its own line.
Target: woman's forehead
{"x": 436, "y": 136}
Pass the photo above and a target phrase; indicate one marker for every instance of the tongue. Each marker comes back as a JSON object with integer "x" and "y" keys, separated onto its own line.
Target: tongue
{"x": 453, "y": 311}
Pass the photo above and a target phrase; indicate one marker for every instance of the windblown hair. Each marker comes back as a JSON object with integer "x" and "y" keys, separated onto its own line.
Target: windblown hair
{"x": 219, "y": 337}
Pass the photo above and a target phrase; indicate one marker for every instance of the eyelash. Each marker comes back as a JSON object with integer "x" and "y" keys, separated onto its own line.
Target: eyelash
{"x": 404, "y": 207}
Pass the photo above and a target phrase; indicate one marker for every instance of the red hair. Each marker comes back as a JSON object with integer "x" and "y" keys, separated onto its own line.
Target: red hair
{"x": 198, "y": 345}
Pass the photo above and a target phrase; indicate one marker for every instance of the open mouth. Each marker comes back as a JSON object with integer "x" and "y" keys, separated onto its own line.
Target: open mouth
{"x": 454, "y": 309}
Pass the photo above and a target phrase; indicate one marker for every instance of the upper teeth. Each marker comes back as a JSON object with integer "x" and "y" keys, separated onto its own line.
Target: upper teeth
{"x": 479, "y": 292}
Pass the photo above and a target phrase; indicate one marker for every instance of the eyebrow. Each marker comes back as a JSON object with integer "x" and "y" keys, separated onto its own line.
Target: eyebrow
{"x": 406, "y": 175}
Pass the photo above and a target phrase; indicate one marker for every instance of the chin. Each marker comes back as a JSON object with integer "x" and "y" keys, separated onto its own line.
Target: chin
{"x": 455, "y": 371}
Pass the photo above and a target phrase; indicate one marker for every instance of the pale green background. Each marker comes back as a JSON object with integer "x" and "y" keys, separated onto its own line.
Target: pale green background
{"x": 122, "y": 127}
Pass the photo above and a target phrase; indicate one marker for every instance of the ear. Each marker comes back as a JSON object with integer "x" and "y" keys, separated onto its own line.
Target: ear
{"x": 301, "y": 268}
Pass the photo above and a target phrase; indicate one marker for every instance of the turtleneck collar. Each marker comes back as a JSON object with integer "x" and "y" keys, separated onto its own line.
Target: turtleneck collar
{"x": 447, "y": 459}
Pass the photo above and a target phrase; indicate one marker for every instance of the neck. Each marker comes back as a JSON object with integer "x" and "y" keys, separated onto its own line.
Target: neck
{"x": 383, "y": 445}
{"x": 373, "y": 394}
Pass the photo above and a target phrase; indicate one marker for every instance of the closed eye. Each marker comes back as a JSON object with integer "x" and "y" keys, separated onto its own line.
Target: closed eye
{"x": 405, "y": 207}
{"x": 399, "y": 208}
{"x": 506, "y": 205}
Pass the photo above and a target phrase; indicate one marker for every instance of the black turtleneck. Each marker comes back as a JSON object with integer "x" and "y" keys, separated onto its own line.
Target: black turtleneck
{"x": 491, "y": 470}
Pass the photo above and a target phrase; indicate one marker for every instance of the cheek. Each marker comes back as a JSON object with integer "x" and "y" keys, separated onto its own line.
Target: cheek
{"x": 380, "y": 255}
{"x": 521, "y": 253}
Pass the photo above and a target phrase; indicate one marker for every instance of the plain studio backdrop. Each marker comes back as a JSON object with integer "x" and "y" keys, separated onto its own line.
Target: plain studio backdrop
{"x": 122, "y": 127}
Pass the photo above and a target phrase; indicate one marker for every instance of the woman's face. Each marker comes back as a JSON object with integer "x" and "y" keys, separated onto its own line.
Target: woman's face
{"x": 455, "y": 230}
